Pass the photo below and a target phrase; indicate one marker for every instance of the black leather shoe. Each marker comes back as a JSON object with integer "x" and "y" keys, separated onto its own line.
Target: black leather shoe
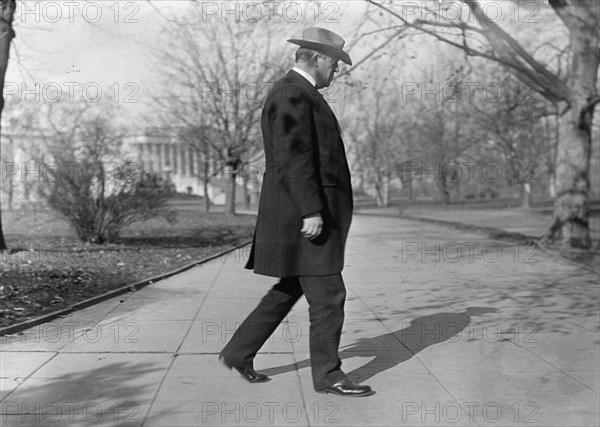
{"x": 348, "y": 388}
{"x": 252, "y": 376}
{"x": 249, "y": 374}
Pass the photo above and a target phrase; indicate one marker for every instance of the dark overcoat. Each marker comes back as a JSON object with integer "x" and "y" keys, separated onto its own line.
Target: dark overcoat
{"x": 306, "y": 172}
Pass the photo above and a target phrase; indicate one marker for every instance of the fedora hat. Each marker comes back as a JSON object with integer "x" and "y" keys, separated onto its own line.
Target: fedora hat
{"x": 325, "y": 41}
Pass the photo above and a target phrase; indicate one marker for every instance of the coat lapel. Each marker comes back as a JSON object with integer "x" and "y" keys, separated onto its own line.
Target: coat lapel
{"x": 315, "y": 94}
{"x": 325, "y": 107}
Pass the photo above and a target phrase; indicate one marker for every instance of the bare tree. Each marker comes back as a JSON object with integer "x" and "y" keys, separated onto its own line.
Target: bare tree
{"x": 7, "y": 13}
{"x": 217, "y": 76}
{"x": 8, "y": 188}
{"x": 515, "y": 127}
{"x": 198, "y": 138}
{"x": 576, "y": 95}
{"x": 444, "y": 133}
{"x": 375, "y": 138}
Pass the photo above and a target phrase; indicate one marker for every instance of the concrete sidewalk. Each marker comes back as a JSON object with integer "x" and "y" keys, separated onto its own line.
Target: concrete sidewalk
{"x": 529, "y": 222}
{"x": 448, "y": 327}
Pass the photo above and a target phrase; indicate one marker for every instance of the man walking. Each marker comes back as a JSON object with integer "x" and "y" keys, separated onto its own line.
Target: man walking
{"x": 304, "y": 214}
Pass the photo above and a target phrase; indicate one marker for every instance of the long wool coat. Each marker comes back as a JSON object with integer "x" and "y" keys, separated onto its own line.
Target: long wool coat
{"x": 306, "y": 172}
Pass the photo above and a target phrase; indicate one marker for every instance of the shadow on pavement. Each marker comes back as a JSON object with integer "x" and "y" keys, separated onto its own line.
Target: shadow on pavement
{"x": 389, "y": 350}
{"x": 115, "y": 394}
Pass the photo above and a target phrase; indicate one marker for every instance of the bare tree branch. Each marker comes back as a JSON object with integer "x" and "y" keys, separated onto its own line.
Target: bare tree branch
{"x": 506, "y": 51}
{"x": 373, "y": 52}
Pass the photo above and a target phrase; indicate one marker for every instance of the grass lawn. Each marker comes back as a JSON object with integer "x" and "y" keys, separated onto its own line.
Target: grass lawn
{"x": 51, "y": 269}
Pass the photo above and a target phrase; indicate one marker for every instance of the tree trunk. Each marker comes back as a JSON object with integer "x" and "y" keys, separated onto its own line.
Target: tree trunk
{"x": 386, "y": 191}
{"x": 411, "y": 192}
{"x": 205, "y": 179}
{"x": 3, "y": 246}
{"x": 7, "y": 12}
{"x": 206, "y": 197}
{"x": 444, "y": 190}
{"x": 457, "y": 188}
{"x": 230, "y": 178}
{"x": 246, "y": 193}
{"x": 525, "y": 195}
{"x": 10, "y": 182}
{"x": 10, "y": 194}
{"x": 361, "y": 184}
{"x": 552, "y": 186}
{"x": 571, "y": 208}
{"x": 378, "y": 194}
{"x": 382, "y": 190}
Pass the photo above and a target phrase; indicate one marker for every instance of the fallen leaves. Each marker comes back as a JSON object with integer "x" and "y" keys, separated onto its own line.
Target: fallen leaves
{"x": 37, "y": 281}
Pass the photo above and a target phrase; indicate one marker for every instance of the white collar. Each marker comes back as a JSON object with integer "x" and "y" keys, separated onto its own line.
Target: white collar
{"x": 305, "y": 75}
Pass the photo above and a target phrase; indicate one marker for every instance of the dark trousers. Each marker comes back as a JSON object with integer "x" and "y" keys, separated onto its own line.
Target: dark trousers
{"x": 325, "y": 296}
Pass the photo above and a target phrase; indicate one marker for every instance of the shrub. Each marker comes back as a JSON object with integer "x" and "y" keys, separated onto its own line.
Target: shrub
{"x": 93, "y": 185}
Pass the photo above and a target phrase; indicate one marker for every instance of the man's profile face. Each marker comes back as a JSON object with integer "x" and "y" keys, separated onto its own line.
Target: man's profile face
{"x": 327, "y": 69}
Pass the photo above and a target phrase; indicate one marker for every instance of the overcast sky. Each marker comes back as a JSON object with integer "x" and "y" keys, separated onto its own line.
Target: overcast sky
{"x": 115, "y": 49}
{"x": 111, "y": 45}
{"x": 118, "y": 47}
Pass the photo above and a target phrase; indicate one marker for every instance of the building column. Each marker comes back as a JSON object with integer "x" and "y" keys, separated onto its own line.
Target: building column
{"x": 165, "y": 155}
{"x": 150, "y": 157}
{"x": 182, "y": 155}
{"x": 159, "y": 157}
{"x": 194, "y": 161}
{"x": 173, "y": 147}
{"x": 156, "y": 157}
{"x": 140, "y": 149}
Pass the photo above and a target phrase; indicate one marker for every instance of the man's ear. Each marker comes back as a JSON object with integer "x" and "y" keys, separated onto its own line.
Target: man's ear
{"x": 316, "y": 60}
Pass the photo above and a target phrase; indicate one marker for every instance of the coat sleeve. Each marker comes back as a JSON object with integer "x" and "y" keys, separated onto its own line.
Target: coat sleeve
{"x": 294, "y": 147}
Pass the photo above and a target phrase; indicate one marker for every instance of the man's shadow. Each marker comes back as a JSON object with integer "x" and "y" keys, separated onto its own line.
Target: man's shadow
{"x": 389, "y": 350}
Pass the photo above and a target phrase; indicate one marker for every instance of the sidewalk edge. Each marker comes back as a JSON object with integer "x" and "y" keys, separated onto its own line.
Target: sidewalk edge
{"x": 559, "y": 257}
{"x": 504, "y": 234}
{"x": 497, "y": 233}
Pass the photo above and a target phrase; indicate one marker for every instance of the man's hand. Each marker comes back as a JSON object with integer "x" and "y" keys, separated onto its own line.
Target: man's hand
{"x": 312, "y": 225}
